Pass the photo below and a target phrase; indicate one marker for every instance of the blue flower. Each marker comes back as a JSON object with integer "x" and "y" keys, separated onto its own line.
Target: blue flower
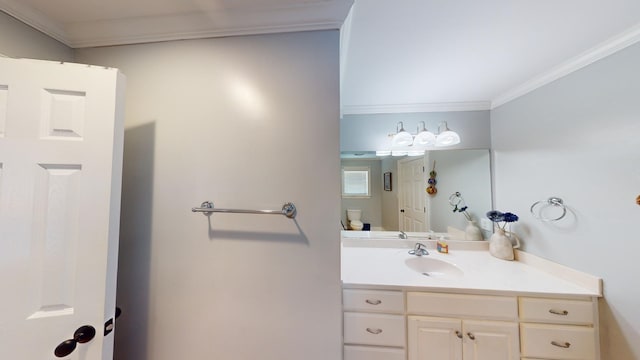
{"x": 500, "y": 217}
{"x": 509, "y": 217}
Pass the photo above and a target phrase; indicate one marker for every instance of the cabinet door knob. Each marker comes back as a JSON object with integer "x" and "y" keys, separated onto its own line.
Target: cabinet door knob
{"x": 373, "y": 302}
{"x": 459, "y": 334}
{"x": 564, "y": 345}
{"x": 559, "y": 312}
{"x": 374, "y": 331}
{"x": 471, "y": 336}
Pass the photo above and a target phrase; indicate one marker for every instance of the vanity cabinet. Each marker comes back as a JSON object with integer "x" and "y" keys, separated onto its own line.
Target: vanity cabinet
{"x": 443, "y": 338}
{"x": 476, "y": 327}
{"x": 418, "y": 325}
{"x": 374, "y": 325}
{"x": 558, "y": 329}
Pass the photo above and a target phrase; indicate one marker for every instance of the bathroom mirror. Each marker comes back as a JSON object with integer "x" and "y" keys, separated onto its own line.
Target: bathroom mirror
{"x": 408, "y": 206}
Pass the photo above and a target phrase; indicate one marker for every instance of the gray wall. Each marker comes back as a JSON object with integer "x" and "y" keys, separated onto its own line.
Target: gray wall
{"x": 464, "y": 171}
{"x": 247, "y": 122}
{"x": 370, "y": 132}
{"x": 18, "y": 40}
{"x": 578, "y": 138}
{"x": 390, "y": 198}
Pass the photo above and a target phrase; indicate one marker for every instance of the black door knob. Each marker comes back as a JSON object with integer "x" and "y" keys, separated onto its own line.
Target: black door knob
{"x": 401, "y": 210}
{"x": 83, "y": 335}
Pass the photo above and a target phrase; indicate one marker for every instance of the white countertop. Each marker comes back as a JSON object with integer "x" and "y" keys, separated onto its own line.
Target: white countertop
{"x": 379, "y": 265}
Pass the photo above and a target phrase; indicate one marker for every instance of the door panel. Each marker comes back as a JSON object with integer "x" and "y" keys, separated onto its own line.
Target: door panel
{"x": 60, "y": 173}
{"x": 434, "y": 338}
{"x": 491, "y": 340}
{"x": 412, "y": 195}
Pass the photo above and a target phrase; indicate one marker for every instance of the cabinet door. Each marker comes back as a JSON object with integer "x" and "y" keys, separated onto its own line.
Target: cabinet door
{"x": 434, "y": 338}
{"x": 490, "y": 340}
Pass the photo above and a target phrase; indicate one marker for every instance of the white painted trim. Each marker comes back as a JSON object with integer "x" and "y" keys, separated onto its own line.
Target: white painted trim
{"x": 310, "y": 16}
{"x": 211, "y": 33}
{"x": 33, "y": 18}
{"x": 414, "y": 108}
{"x": 609, "y": 47}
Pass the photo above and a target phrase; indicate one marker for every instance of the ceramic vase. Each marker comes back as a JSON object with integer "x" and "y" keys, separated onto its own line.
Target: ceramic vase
{"x": 472, "y": 231}
{"x": 500, "y": 244}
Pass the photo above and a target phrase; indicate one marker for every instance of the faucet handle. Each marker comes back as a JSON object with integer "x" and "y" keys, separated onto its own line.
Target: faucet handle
{"x": 419, "y": 250}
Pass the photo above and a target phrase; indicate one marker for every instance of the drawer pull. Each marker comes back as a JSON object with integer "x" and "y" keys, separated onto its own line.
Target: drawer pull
{"x": 374, "y": 331}
{"x": 471, "y": 336}
{"x": 559, "y": 312}
{"x": 564, "y": 345}
{"x": 458, "y": 334}
{"x": 373, "y": 302}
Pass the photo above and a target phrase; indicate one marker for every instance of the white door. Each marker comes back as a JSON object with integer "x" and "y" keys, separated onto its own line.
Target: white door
{"x": 61, "y": 137}
{"x": 434, "y": 338}
{"x": 490, "y": 340}
{"x": 412, "y": 195}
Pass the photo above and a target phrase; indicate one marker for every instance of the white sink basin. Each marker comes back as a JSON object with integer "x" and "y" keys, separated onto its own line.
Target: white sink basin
{"x": 432, "y": 267}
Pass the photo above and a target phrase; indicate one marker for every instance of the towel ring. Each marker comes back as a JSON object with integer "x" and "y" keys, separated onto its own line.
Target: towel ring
{"x": 538, "y": 206}
{"x": 455, "y": 199}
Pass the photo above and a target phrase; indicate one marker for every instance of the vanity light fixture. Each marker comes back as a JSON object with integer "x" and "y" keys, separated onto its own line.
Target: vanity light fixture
{"x": 446, "y": 137}
{"x": 402, "y": 137}
{"x": 405, "y": 143}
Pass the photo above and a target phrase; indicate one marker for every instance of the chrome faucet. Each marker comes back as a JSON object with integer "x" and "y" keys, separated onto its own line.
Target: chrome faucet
{"x": 403, "y": 235}
{"x": 419, "y": 250}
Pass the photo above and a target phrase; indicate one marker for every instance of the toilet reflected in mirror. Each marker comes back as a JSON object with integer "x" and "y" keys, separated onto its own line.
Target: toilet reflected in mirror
{"x": 353, "y": 219}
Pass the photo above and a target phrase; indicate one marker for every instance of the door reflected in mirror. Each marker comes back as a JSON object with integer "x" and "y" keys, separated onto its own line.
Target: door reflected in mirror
{"x": 419, "y": 199}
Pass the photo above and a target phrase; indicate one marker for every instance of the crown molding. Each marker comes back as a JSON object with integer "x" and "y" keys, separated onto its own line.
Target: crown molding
{"x": 609, "y": 47}
{"x": 33, "y": 18}
{"x": 414, "y": 108}
{"x": 308, "y": 16}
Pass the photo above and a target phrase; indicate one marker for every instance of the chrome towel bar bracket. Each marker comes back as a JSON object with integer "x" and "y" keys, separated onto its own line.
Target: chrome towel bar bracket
{"x": 207, "y": 208}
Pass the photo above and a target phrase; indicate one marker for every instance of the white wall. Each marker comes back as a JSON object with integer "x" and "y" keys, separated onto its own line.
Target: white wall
{"x": 247, "y": 122}
{"x": 18, "y": 40}
{"x": 578, "y": 138}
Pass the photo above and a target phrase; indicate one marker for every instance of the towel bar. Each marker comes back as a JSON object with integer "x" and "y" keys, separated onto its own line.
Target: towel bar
{"x": 207, "y": 208}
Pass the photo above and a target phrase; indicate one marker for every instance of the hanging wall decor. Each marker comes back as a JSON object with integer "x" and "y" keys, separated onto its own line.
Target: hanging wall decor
{"x": 431, "y": 188}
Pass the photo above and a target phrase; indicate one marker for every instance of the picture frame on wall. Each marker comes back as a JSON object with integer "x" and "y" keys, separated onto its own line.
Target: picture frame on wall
{"x": 387, "y": 181}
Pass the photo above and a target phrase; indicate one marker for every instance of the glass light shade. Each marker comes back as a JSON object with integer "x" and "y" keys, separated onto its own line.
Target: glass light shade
{"x": 399, "y": 152}
{"x": 402, "y": 138}
{"x": 383, "y": 152}
{"x": 424, "y": 138}
{"x": 447, "y": 138}
{"x": 415, "y": 152}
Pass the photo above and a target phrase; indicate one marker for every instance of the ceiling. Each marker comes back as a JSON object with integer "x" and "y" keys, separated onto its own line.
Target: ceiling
{"x": 396, "y": 56}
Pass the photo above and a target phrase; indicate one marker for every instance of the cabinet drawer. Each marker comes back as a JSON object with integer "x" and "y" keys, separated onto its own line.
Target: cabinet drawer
{"x": 374, "y": 329}
{"x": 369, "y": 353}
{"x": 373, "y": 301}
{"x": 557, "y": 311}
{"x": 475, "y": 306}
{"x": 557, "y": 341}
